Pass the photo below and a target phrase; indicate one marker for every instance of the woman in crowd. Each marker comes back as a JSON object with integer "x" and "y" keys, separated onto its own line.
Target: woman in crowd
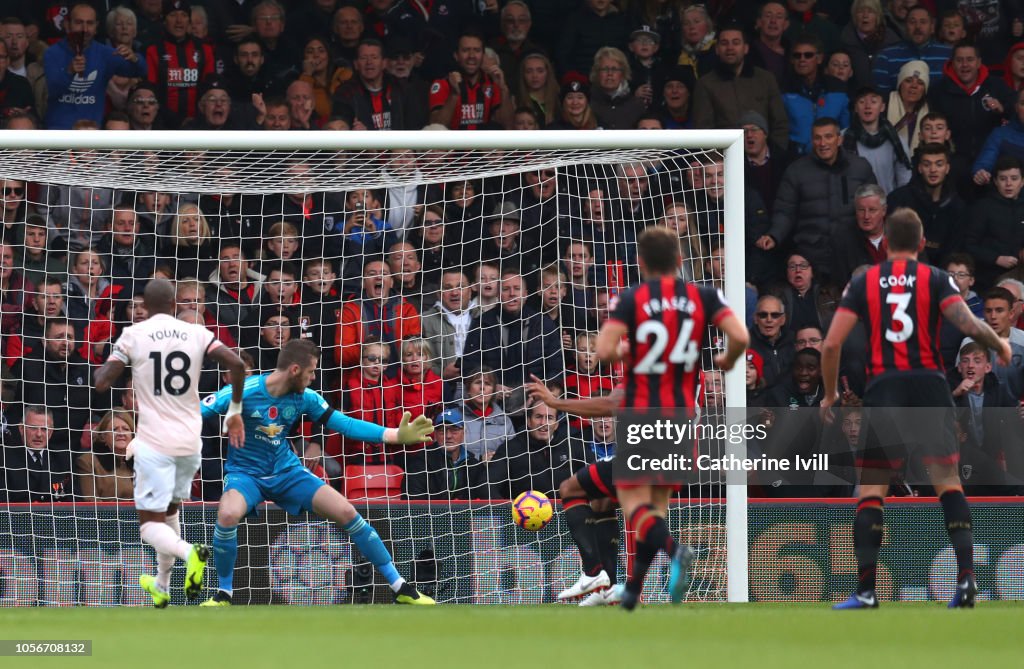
{"x": 678, "y": 217}
{"x": 104, "y": 473}
{"x": 908, "y": 104}
{"x": 320, "y": 71}
{"x": 122, "y": 29}
{"x": 614, "y": 105}
{"x": 864, "y": 36}
{"x": 576, "y": 111}
{"x": 190, "y": 248}
{"x": 698, "y": 45}
{"x": 538, "y": 88}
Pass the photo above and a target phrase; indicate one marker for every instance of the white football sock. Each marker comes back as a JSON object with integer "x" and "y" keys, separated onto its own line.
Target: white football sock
{"x": 164, "y": 566}
{"x": 174, "y": 522}
{"x": 164, "y": 540}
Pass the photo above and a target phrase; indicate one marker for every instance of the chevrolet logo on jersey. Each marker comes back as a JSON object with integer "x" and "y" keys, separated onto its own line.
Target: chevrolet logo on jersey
{"x": 271, "y": 430}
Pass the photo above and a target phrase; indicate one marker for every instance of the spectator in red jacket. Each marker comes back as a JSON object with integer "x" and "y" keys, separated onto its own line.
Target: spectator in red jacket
{"x": 14, "y": 290}
{"x": 376, "y": 313}
{"x": 588, "y": 380}
{"x": 416, "y": 388}
{"x": 363, "y": 397}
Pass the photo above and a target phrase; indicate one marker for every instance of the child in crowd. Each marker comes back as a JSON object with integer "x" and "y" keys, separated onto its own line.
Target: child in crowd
{"x": 487, "y": 426}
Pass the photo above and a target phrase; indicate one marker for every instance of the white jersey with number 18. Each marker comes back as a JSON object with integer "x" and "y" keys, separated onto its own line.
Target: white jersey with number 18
{"x": 166, "y": 356}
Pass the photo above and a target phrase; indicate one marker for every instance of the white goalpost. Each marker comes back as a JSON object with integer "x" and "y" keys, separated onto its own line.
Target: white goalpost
{"x": 363, "y": 242}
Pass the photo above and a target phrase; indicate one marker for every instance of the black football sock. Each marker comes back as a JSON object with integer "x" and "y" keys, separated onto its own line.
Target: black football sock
{"x": 580, "y": 518}
{"x": 867, "y": 541}
{"x": 606, "y": 525}
{"x": 961, "y": 535}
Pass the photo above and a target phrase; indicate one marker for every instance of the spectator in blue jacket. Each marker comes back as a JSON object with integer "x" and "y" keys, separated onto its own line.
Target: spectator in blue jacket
{"x": 1006, "y": 139}
{"x": 919, "y": 45}
{"x": 78, "y": 69}
{"x": 809, "y": 94}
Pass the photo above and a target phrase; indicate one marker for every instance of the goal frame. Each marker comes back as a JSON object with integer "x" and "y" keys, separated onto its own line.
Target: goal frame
{"x": 729, "y": 142}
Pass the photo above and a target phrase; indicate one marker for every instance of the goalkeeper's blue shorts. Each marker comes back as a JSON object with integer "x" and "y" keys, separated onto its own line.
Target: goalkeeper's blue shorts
{"x": 292, "y": 489}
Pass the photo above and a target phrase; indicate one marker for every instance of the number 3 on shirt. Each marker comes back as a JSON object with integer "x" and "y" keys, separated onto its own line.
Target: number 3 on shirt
{"x": 900, "y": 315}
{"x": 683, "y": 353}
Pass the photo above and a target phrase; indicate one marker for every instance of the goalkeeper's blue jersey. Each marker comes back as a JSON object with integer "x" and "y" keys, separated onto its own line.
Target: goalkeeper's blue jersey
{"x": 269, "y": 422}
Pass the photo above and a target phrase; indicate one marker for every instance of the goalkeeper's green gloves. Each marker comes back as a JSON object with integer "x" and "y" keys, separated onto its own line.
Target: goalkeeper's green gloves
{"x": 415, "y": 431}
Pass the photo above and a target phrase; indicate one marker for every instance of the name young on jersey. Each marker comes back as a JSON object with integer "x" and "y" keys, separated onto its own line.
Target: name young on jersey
{"x": 161, "y": 335}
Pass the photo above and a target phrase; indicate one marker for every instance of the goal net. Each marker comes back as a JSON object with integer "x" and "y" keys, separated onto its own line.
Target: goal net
{"x": 438, "y": 273}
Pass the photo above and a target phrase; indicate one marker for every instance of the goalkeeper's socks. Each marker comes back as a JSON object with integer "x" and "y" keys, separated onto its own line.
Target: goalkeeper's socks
{"x": 369, "y": 544}
{"x": 580, "y": 518}
{"x": 961, "y": 534}
{"x": 867, "y": 540}
{"x": 225, "y": 550}
{"x": 606, "y": 528}
{"x": 164, "y": 540}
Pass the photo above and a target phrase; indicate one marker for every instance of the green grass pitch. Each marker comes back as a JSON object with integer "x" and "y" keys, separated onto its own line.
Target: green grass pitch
{"x": 755, "y": 636}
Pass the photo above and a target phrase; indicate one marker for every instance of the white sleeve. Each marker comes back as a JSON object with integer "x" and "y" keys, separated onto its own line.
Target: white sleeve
{"x": 209, "y": 340}
{"x": 122, "y": 348}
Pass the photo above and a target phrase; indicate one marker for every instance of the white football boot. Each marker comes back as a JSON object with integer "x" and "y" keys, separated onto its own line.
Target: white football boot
{"x": 585, "y": 585}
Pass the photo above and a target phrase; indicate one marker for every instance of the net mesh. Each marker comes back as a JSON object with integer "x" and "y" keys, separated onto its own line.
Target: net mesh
{"x": 429, "y": 280}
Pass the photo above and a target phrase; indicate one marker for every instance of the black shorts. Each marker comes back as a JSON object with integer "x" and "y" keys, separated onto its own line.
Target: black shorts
{"x": 908, "y": 417}
{"x": 597, "y": 481}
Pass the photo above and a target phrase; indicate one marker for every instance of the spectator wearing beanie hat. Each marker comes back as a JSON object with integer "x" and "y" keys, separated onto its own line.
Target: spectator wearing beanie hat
{"x": 676, "y": 94}
{"x": 576, "y": 111}
{"x": 215, "y": 109}
{"x": 177, "y": 64}
{"x": 908, "y": 103}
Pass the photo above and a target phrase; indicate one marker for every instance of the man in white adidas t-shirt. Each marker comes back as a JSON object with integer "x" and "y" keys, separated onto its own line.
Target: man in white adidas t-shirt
{"x": 166, "y": 356}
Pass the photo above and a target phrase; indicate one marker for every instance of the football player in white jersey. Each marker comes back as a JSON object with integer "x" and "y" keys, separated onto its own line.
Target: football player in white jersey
{"x": 166, "y": 356}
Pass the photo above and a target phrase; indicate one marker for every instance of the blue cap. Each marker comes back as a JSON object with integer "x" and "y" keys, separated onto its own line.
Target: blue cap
{"x": 449, "y": 416}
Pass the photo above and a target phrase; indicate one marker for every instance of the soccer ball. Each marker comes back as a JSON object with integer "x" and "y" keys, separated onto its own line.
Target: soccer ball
{"x": 532, "y": 510}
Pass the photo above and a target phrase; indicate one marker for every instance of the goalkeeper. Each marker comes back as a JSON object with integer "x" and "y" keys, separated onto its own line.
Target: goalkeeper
{"x": 265, "y": 468}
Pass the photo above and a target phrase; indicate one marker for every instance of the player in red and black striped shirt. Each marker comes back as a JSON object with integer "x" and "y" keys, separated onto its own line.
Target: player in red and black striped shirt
{"x": 666, "y": 320}
{"x": 900, "y": 302}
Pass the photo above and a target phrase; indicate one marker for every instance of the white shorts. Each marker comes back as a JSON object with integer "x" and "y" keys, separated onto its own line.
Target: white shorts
{"x": 161, "y": 480}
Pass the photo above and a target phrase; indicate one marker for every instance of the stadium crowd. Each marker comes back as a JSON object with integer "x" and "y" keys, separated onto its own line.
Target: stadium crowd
{"x": 449, "y": 299}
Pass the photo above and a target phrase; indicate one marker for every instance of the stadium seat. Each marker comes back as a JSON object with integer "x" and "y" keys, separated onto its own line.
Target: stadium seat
{"x": 373, "y": 483}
